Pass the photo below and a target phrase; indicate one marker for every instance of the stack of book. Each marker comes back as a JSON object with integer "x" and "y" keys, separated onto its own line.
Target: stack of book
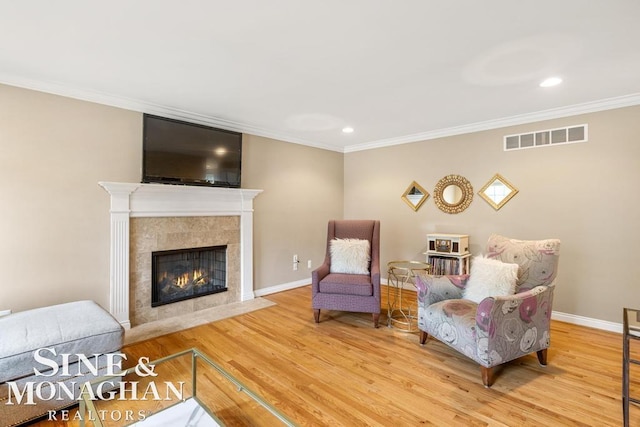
{"x": 443, "y": 265}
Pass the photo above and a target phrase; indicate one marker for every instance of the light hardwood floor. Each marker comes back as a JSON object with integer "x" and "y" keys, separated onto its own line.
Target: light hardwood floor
{"x": 343, "y": 372}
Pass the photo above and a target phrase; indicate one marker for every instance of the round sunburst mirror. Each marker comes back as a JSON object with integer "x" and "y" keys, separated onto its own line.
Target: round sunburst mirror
{"x": 453, "y": 194}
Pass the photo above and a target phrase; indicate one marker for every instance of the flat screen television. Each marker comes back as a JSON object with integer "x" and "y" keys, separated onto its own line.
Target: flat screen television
{"x": 177, "y": 152}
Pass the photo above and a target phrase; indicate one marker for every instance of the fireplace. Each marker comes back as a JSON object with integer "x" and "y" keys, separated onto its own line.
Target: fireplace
{"x": 182, "y": 274}
{"x": 160, "y": 215}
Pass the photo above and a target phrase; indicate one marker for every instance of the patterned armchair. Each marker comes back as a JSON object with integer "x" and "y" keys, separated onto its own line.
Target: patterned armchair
{"x": 335, "y": 290}
{"x": 500, "y": 328}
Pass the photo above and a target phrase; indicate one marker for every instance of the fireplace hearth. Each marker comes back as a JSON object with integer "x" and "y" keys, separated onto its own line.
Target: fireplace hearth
{"x": 182, "y": 274}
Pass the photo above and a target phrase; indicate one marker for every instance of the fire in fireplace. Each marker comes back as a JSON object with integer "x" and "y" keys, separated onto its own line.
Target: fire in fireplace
{"x": 182, "y": 274}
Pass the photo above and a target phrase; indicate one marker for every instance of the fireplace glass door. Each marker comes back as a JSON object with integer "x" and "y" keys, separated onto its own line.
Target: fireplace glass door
{"x": 182, "y": 274}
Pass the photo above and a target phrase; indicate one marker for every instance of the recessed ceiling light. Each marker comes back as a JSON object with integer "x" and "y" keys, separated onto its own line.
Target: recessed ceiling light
{"x": 348, "y": 129}
{"x": 551, "y": 81}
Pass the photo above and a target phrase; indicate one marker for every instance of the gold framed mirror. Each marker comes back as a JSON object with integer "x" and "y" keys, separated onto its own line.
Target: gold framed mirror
{"x": 415, "y": 196}
{"x": 498, "y": 191}
{"x": 453, "y": 194}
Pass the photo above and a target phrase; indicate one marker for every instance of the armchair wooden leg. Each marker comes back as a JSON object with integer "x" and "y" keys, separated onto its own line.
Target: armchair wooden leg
{"x": 376, "y": 318}
{"x": 487, "y": 376}
{"x": 316, "y": 315}
{"x": 423, "y": 337}
{"x": 542, "y": 357}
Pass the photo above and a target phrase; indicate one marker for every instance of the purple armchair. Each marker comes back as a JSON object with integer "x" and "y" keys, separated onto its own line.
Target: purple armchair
{"x": 499, "y": 328}
{"x": 349, "y": 292}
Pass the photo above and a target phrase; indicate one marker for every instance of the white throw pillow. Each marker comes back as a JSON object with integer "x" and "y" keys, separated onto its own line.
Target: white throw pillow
{"x": 489, "y": 278}
{"x": 349, "y": 256}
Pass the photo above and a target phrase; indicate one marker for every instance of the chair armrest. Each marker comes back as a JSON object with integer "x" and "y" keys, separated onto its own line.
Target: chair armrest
{"x": 432, "y": 289}
{"x": 375, "y": 274}
{"x": 515, "y": 325}
{"x": 375, "y": 281}
{"x": 317, "y": 275}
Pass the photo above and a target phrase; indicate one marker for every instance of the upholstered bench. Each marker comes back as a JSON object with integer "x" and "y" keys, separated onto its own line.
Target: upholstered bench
{"x": 39, "y": 350}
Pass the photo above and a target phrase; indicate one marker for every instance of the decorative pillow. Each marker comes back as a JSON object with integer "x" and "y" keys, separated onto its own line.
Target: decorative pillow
{"x": 349, "y": 256}
{"x": 490, "y": 278}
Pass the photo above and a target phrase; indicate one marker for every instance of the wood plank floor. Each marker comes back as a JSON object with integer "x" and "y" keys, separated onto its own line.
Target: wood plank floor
{"x": 343, "y": 372}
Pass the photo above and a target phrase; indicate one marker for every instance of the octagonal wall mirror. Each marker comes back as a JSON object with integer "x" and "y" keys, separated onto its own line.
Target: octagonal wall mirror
{"x": 453, "y": 194}
{"x": 415, "y": 196}
{"x": 498, "y": 191}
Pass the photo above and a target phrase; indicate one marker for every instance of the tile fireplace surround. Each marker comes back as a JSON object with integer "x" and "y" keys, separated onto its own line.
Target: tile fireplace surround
{"x": 132, "y": 200}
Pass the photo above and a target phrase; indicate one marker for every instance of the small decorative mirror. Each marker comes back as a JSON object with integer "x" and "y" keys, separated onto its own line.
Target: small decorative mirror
{"x": 415, "y": 196}
{"x": 453, "y": 194}
{"x": 498, "y": 191}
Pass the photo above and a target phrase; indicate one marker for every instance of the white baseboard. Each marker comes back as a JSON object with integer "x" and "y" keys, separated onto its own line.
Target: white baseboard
{"x": 555, "y": 315}
{"x": 587, "y": 321}
{"x": 280, "y": 288}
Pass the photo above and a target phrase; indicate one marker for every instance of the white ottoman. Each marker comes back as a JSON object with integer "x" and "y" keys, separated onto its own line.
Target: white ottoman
{"x": 81, "y": 327}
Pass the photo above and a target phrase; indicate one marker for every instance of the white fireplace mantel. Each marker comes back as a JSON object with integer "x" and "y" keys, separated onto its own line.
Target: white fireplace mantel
{"x": 158, "y": 200}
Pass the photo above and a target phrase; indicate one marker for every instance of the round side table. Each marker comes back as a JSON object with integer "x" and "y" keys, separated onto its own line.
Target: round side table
{"x": 399, "y": 273}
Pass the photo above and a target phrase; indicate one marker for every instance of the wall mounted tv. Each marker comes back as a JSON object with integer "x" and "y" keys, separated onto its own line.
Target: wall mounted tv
{"x": 177, "y": 152}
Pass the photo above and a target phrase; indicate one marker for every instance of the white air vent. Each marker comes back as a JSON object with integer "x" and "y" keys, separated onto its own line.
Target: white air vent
{"x": 546, "y": 138}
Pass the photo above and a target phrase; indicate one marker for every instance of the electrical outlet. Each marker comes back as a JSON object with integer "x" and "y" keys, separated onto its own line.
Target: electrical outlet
{"x": 295, "y": 263}
{"x": 309, "y": 264}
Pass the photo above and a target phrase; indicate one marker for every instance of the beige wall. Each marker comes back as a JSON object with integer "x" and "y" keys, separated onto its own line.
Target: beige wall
{"x": 54, "y": 218}
{"x": 302, "y": 191}
{"x": 581, "y": 193}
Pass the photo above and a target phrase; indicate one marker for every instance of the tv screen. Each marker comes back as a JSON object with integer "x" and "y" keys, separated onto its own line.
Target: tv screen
{"x": 177, "y": 152}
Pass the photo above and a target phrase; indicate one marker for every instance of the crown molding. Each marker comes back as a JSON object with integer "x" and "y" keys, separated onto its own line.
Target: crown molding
{"x": 151, "y": 108}
{"x": 554, "y": 113}
{"x": 174, "y": 113}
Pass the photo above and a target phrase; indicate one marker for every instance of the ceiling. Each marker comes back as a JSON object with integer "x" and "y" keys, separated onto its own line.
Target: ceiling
{"x": 302, "y": 70}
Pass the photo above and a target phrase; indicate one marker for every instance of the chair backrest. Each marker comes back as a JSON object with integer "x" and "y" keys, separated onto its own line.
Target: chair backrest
{"x": 363, "y": 229}
{"x": 538, "y": 259}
